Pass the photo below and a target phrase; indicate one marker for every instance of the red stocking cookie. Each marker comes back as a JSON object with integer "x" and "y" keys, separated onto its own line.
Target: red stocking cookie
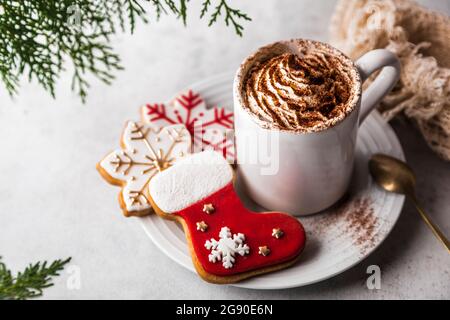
{"x": 228, "y": 242}
{"x": 145, "y": 151}
{"x": 210, "y": 128}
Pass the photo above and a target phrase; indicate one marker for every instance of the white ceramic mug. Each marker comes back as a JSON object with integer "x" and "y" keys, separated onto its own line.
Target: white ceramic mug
{"x": 305, "y": 172}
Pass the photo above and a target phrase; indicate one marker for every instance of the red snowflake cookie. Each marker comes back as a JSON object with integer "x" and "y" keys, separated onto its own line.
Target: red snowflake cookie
{"x": 210, "y": 128}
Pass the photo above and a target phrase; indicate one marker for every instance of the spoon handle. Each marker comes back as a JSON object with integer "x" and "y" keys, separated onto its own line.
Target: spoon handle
{"x": 434, "y": 228}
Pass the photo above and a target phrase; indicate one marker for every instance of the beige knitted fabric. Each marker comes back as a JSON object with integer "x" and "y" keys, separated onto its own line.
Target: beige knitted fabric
{"x": 421, "y": 39}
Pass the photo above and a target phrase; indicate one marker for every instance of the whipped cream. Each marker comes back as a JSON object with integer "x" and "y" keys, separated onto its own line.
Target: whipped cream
{"x": 311, "y": 89}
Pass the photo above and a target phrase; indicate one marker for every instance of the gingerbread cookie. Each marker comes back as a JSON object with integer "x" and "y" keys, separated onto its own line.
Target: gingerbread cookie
{"x": 228, "y": 242}
{"x": 210, "y": 128}
{"x": 145, "y": 151}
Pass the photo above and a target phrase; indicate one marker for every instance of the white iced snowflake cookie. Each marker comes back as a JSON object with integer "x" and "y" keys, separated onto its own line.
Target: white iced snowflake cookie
{"x": 145, "y": 151}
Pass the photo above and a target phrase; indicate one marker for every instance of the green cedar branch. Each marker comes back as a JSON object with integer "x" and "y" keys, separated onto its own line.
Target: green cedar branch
{"x": 29, "y": 283}
{"x": 39, "y": 38}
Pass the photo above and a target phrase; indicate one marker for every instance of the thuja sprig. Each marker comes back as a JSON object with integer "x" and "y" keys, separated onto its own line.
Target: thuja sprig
{"x": 232, "y": 15}
{"x": 29, "y": 283}
{"x": 39, "y": 38}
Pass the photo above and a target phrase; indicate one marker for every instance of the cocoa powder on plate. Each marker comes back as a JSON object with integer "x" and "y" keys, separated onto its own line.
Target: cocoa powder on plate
{"x": 355, "y": 218}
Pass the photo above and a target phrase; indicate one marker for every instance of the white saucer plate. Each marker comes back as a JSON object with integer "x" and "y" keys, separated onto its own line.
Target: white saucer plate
{"x": 337, "y": 240}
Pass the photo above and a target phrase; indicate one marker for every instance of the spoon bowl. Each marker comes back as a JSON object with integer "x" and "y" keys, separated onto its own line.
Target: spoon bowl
{"x": 392, "y": 174}
{"x": 396, "y": 176}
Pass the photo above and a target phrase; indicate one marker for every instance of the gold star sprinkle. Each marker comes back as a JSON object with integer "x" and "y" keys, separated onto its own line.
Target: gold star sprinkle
{"x": 208, "y": 208}
{"x": 202, "y": 226}
{"x": 277, "y": 233}
{"x": 264, "y": 251}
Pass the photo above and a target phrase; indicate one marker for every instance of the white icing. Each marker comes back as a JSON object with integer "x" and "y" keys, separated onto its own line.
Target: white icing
{"x": 190, "y": 180}
{"x": 226, "y": 247}
{"x": 145, "y": 150}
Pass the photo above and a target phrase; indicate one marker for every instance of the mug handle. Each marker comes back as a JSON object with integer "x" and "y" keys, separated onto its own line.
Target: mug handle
{"x": 383, "y": 84}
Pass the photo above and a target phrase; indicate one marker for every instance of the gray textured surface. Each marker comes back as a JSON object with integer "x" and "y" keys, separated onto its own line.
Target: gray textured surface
{"x": 54, "y": 204}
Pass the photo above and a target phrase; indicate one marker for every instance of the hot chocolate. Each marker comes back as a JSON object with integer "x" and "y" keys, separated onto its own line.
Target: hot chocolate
{"x": 298, "y": 107}
{"x": 309, "y": 87}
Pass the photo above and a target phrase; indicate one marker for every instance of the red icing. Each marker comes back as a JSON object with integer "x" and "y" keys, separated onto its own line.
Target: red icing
{"x": 212, "y": 118}
{"x": 257, "y": 228}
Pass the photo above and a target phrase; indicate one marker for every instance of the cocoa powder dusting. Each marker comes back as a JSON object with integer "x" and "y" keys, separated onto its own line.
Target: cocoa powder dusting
{"x": 299, "y": 91}
{"x": 355, "y": 218}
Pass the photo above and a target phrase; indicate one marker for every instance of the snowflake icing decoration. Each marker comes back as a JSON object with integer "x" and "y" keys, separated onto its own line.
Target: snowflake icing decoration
{"x": 226, "y": 247}
{"x": 210, "y": 128}
{"x": 145, "y": 151}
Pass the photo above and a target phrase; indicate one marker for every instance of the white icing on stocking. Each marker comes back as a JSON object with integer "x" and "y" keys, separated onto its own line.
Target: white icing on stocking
{"x": 145, "y": 151}
{"x": 226, "y": 247}
{"x": 190, "y": 180}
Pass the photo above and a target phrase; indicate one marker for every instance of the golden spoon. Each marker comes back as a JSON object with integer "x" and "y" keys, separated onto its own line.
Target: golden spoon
{"x": 396, "y": 176}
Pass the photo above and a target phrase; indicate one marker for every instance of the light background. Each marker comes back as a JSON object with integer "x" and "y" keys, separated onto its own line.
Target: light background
{"x": 54, "y": 204}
